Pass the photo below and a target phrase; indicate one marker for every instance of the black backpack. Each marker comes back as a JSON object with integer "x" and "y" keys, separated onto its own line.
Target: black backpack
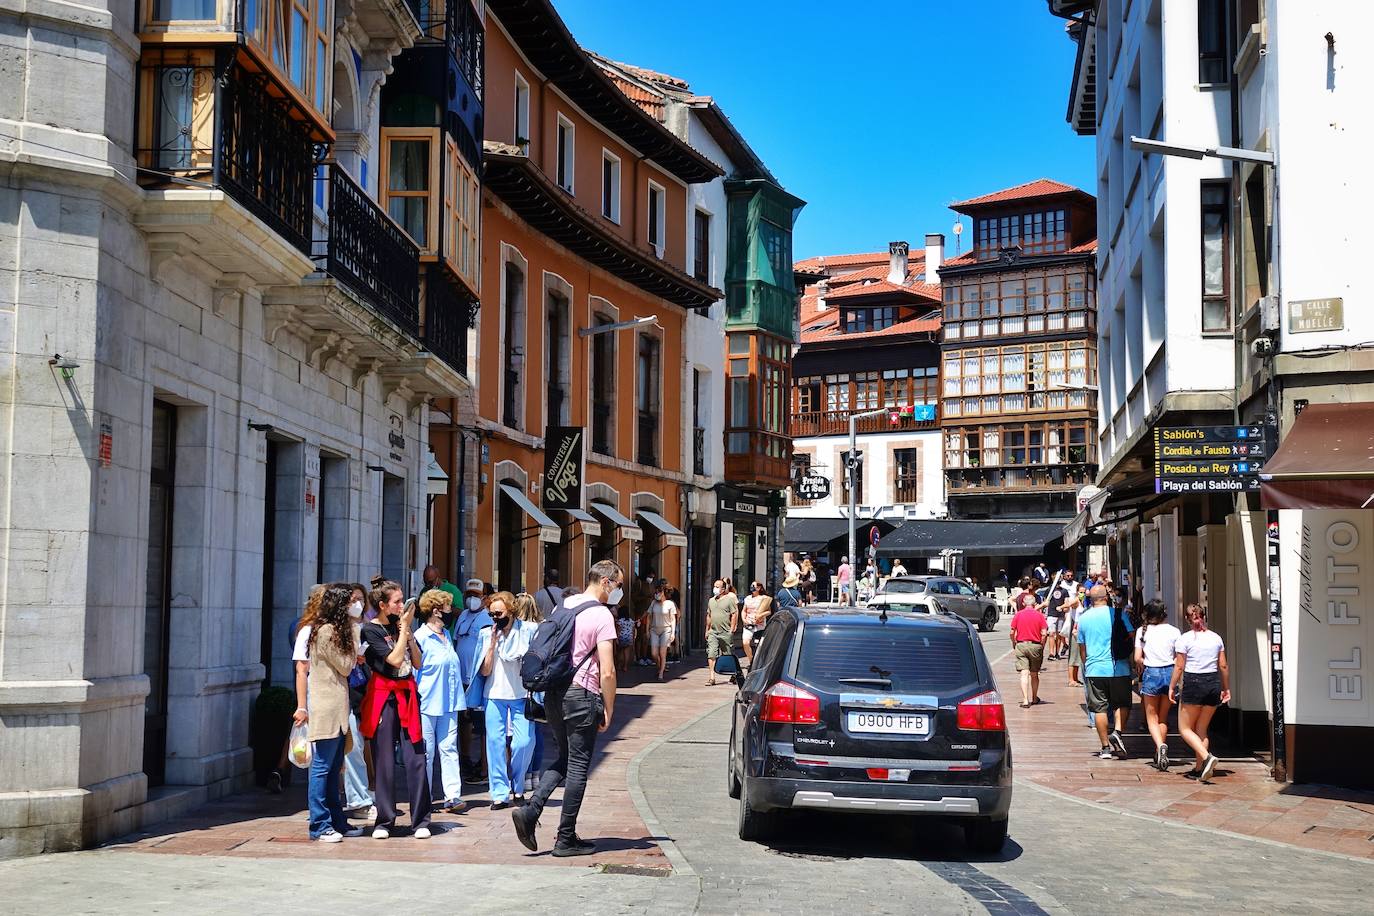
{"x": 1123, "y": 646}
{"x": 547, "y": 664}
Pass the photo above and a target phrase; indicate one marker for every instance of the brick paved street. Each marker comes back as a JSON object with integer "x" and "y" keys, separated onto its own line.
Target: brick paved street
{"x": 1054, "y": 748}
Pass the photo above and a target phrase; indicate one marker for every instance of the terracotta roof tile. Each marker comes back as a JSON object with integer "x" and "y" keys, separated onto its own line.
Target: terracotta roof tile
{"x": 828, "y": 330}
{"x": 1084, "y": 248}
{"x": 1040, "y": 187}
{"x": 915, "y": 289}
{"x": 967, "y": 259}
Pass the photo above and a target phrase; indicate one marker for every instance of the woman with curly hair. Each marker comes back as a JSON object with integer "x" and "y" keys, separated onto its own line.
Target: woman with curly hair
{"x": 331, "y": 648}
{"x": 440, "y": 683}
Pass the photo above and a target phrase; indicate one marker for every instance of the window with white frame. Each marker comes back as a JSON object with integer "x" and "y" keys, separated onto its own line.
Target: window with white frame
{"x": 522, "y": 114}
{"x": 567, "y": 149}
{"x": 610, "y": 186}
{"x": 657, "y": 220}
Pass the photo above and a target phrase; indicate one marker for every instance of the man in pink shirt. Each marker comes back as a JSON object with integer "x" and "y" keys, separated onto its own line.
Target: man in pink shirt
{"x": 845, "y": 575}
{"x": 578, "y": 712}
{"x": 1028, "y": 630}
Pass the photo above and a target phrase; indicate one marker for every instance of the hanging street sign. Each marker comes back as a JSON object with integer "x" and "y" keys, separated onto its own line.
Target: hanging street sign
{"x": 1209, "y": 459}
{"x": 812, "y": 487}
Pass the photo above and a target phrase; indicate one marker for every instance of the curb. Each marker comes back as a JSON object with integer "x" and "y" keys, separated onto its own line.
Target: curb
{"x": 646, "y": 812}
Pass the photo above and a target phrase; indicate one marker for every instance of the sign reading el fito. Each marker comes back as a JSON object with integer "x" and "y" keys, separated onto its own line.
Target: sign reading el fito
{"x": 563, "y": 467}
{"x": 1326, "y": 617}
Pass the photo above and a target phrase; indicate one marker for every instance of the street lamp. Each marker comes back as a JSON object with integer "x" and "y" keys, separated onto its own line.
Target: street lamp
{"x": 618, "y": 326}
{"x": 1270, "y": 160}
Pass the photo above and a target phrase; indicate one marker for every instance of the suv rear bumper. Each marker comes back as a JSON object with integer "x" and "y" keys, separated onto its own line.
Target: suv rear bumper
{"x": 768, "y": 793}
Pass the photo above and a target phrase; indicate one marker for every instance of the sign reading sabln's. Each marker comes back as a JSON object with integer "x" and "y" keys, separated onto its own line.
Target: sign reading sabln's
{"x": 563, "y": 468}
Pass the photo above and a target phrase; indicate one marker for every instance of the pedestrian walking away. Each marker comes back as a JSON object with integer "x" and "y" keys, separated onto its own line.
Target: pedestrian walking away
{"x": 578, "y": 708}
{"x": 1155, "y": 659}
{"x": 1107, "y": 666}
{"x": 844, "y": 575}
{"x": 808, "y": 581}
{"x": 504, "y": 644}
{"x": 330, "y": 646}
{"x": 467, "y": 641}
{"x": 390, "y": 717}
{"x": 1200, "y": 683}
{"x": 440, "y": 686}
{"x": 547, "y": 598}
{"x": 722, "y": 619}
{"x": 1029, "y": 630}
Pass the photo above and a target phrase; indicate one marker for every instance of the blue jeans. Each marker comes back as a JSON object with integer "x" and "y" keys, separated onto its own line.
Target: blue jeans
{"x": 326, "y": 811}
{"x": 507, "y": 778}
{"x": 441, "y": 740}
{"x": 356, "y": 792}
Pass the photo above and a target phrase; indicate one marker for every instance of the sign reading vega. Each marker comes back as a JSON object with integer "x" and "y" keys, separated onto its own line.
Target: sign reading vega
{"x": 563, "y": 467}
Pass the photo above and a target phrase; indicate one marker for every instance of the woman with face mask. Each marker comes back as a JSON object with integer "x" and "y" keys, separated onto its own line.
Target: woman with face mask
{"x": 757, "y": 607}
{"x": 357, "y": 794}
{"x": 504, "y": 644}
{"x": 441, "y": 696}
{"x": 332, "y": 653}
{"x": 390, "y": 716}
{"x": 662, "y": 624}
{"x": 467, "y": 641}
{"x": 722, "y": 618}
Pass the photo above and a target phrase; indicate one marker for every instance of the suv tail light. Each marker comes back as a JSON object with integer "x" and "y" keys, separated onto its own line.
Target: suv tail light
{"x": 784, "y": 702}
{"x": 983, "y": 713}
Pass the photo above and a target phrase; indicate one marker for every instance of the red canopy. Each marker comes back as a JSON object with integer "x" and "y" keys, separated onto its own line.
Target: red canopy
{"x": 1325, "y": 462}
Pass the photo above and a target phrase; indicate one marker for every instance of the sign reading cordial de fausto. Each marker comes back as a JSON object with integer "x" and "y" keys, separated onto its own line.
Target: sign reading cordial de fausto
{"x": 563, "y": 468}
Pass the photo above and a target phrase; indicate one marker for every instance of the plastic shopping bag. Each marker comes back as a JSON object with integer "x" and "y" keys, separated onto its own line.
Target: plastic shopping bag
{"x": 298, "y": 747}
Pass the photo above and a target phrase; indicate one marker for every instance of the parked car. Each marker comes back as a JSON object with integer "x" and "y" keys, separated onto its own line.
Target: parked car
{"x": 949, "y": 593}
{"x": 873, "y": 711}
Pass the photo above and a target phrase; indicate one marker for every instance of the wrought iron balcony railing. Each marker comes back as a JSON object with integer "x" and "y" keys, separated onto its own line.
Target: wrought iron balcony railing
{"x": 698, "y": 451}
{"x": 370, "y": 253}
{"x": 835, "y": 422}
{"x": 449, "y": 313}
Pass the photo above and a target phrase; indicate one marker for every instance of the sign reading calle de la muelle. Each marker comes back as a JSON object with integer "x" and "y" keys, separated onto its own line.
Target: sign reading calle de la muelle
{"x": 1209, "y": 459}
{"x": 1308, "y": 315}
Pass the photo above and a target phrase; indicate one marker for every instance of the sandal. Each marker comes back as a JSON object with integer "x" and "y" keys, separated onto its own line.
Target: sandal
{"x": 1025, "y": 706}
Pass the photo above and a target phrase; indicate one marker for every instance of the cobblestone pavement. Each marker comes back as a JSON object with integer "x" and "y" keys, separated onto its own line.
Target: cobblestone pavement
{"x": 1054, "y": 747}
{"x": 661, "y": 804}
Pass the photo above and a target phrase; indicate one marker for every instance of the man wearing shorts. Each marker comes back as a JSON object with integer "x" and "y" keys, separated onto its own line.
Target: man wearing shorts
{"x": 1109, "y": 678}
{"x": 1063, "y": 595}
{"x": 1028, "y": 631}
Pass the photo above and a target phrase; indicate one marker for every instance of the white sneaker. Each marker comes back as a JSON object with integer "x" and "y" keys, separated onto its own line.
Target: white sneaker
{"x": 329, "y": 836}
{"x": 381, "y": 833}
{"x": 421, "y": 833}
{"x": 371, "y": 814}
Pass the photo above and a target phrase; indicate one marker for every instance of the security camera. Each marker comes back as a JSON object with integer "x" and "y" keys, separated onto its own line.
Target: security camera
{"x": 59, "y": 361}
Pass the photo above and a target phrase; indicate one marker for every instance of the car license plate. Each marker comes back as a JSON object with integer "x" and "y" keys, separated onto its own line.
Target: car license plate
{"x": 888, "y": 723}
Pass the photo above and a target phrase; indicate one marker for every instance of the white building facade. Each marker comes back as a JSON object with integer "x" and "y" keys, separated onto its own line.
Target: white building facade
{"x": 209, "y": 408}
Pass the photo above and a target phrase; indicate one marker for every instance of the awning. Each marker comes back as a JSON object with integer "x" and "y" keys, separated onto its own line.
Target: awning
{"x": 813, "y": 535}
{"x": 672, "y": 535}
{"x": 1086, "y": 520}
{"x": 628, "y": 530}
{"x": 973, "y": 537}
{"x": 1325, "y": 462}
{"x": 590, "y": 526}
{"x": 547, "y": 527}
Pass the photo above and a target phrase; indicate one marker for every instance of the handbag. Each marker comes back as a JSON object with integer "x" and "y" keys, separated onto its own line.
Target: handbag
{"x": 534, "y": 709}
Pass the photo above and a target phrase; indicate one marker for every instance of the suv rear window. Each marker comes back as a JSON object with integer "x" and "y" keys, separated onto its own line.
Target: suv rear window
{"x": 903, "y": 586}
{"x": 916, "y": 659}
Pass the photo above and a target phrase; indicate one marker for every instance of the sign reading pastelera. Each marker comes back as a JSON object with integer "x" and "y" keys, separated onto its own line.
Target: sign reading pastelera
{"x": 1327, "y": 560}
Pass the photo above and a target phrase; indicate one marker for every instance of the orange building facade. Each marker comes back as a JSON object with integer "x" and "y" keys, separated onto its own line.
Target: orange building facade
{"x": 584, "y": 226}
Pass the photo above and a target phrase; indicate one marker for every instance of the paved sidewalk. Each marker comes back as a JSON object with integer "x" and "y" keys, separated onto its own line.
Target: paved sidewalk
{"x": 1055, "y": 748}
{"x": 257, "y": 824}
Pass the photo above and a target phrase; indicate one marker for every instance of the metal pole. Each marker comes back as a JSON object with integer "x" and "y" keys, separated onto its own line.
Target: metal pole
{"x": 850, "y": 466}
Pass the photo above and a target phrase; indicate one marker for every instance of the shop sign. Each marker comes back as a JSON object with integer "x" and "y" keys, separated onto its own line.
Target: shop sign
{"x": 1325, "y": 600}
{"x": 1308, "y": 315}
{"x": 563, "y": 467}
{"x": 812, "y": 487}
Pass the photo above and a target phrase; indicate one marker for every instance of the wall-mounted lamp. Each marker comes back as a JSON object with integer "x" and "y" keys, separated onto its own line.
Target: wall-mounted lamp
{"x": 261, "y": 427}
{"x": 65, "y": 364}
{"x": 618, "y": 326}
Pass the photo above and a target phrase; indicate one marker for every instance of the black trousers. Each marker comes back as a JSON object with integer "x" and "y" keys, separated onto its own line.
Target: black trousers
{"x": 389, "y": 734}
{"x": 574, "y": 716}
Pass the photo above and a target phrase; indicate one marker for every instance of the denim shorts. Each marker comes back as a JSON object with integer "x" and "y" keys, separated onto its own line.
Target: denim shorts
{"x": 1155, "y": 681}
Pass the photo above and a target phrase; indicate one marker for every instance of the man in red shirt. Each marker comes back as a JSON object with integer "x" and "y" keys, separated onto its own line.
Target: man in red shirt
{"x": 1028, "y": 630}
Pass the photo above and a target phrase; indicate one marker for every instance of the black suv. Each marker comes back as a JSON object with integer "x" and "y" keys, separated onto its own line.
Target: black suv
{"x": 871, "y": 712}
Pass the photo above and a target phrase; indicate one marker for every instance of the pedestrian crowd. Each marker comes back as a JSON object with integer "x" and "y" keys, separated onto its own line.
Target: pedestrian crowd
{"x": 458, "y": 683}
{"x": 1091, "y": 626}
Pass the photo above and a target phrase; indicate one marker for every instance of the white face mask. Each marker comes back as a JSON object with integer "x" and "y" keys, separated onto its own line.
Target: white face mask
{"x": 715, "y": 589}
{"x": 474, "y": 603}
{"x": 355, "y": 610}
{"x": 616, "y": 594}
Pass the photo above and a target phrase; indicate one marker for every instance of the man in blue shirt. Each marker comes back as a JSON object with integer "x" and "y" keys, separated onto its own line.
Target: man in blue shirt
{"x": 1109, "y": 678}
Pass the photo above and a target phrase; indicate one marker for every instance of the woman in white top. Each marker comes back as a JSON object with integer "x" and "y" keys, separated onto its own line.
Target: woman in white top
{"x": 503, "y": 645}
{"x": 662, "y": 624}
{"x": 1206, "y": 684}
{"x": 1154, "y": 662}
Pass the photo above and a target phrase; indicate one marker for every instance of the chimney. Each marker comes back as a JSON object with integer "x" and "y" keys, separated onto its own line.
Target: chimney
{"x": 935, "y": 256}
{"x": 897, "y": 254}
{"x": 822, "y": 288}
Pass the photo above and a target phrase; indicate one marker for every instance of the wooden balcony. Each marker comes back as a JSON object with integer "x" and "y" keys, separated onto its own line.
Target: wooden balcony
{"x": 1012, "y": 479}
{"x": 836, "y": 422}
{"x": 754, "y": 457}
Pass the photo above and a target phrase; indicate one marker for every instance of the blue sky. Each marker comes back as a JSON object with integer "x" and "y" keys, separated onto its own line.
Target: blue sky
{"x": 878, "y": 118}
